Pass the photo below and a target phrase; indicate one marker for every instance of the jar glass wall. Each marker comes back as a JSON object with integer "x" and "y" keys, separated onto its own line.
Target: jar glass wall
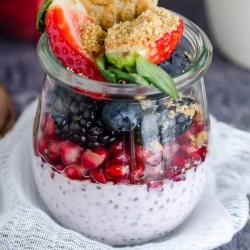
{"x": 115, "y": 181}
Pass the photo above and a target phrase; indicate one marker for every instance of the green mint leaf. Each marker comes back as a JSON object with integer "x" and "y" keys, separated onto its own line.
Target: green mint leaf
{"x": 157, "y": 76}
{"x": 40, "y": 21}
{"x": 130, "y": 77}
{"x": 122, "y": 60}
{"x": 102, "y": 60}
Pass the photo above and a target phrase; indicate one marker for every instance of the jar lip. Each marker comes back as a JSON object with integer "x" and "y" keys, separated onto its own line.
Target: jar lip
{"x": 198, "y": 68}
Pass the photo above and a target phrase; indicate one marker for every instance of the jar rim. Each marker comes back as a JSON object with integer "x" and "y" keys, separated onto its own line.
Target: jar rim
{"x": 192, "y": 74}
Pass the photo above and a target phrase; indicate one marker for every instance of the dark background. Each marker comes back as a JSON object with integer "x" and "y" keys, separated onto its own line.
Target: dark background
{"x": 228, "y": 87}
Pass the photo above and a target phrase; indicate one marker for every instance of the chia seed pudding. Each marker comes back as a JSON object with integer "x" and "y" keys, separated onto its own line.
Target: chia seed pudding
{"x": 117, "y": 162}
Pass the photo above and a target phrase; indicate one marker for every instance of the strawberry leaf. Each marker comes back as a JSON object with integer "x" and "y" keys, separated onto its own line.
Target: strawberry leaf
{"x": 156, "y": 75}
{"x": 40, "y": 21}
{"x": 129, "y": 77}
{"x": 122, "y": 60}
{"x": 101, "y": 62}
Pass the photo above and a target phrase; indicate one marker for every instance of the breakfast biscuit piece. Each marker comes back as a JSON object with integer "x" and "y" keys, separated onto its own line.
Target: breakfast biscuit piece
{"x": 107, "y": 12}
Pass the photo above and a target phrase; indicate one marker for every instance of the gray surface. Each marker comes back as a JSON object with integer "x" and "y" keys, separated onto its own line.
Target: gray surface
{"x": 228, "y": 87}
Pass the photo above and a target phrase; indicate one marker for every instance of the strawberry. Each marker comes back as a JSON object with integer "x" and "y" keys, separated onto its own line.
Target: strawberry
{"x": 63, "y": 21}
{"x": 154, "y": 35}
{"x": 70, "y": 152}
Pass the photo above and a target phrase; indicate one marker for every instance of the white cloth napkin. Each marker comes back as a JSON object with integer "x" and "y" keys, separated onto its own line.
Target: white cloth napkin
{"x": 221, "y": 213}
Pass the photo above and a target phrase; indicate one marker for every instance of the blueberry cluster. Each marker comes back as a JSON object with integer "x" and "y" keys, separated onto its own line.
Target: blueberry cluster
{"x": 176, "y": 63}
{"x": 161, "y": 124}
{"x": 79, "y": 119}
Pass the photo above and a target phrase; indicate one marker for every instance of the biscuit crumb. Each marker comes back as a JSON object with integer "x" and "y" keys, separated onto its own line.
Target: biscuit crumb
{"x": 92, "y": 38}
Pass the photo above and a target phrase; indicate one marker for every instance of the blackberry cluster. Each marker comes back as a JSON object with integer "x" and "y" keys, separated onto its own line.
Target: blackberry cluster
{"x": 176, "y": 63}
{"x": 158, "y": 124}
{"x": 79, "y": 119}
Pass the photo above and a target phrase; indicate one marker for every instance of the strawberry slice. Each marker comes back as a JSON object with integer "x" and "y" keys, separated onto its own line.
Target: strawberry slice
{"x": 69, "y": 28}
{"x": 154, "y": 35}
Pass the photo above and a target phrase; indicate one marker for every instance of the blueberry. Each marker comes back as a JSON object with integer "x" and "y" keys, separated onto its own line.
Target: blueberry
{"x": 176, "y": 63}
{"x": 122, "y": 116}
{"x": 168, "y": 67}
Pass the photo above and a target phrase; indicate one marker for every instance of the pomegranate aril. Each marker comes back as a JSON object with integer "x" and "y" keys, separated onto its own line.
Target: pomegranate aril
{"x": 91, "y": 160}
{"x": 175, "y": 167}
{"x": 122, "y": 158}
{"x": 184, "y": 138}
{"x": 123, "y": 181}
{"x": 115, "y": 171}
{"x": 180, "y": 177}
{"x": 117, "y": 147}
{"x": 54, "y": 153}
{"x": 103, "y": 152}
{"x": 139, "y": 154}
{"x": 49, "y": 130}
{"x": 70, "y": 152}
{"x": 75, "y": 172}
{"x": 195, "y": 153}
{"x": 137, "y": 174}
{"x": 42, "y": 146}
{"x": 59, "y": 167}
{"x": 98, "y": 176}
{"x": 156, "y": 185}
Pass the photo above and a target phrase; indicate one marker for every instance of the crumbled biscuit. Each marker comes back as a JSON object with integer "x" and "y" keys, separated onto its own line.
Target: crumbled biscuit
{"x": 201, "y": 139}
{"x": 108, "y": 12}
{"x": 92, "y": 38}
{"x": 141, "y": 32}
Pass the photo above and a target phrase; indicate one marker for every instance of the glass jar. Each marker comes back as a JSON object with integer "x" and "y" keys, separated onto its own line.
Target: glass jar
{"x": 122, "y": 164}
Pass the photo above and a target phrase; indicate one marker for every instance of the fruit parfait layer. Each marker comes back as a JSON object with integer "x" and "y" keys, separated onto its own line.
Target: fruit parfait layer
{"x": 119, "y": 167}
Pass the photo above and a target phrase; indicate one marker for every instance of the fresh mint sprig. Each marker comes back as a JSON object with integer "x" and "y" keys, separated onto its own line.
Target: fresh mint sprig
{"x": 134, "y": 68}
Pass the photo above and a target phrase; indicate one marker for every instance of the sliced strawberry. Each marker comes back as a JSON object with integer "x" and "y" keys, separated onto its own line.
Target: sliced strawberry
{"x": 154, "y": 35}
{"x": 91, "y": 160}
{"x": 64, "y": 20}
{"x": 70, "y": 152}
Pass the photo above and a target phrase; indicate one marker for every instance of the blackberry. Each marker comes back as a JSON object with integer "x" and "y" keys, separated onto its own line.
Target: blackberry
{"x": 79, "y": 119}
{"x": 176, "y": 63}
